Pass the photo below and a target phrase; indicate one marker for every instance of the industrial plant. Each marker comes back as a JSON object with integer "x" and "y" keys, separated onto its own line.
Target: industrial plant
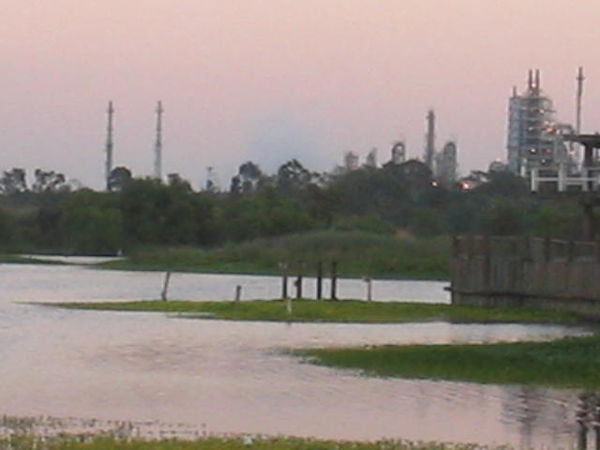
{"x": 551, "y": 155}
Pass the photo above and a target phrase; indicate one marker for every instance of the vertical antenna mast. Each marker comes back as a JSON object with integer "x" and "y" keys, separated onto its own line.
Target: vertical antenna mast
{"x": 580, "y": 79}
{"x": 109, "y": 144}
{"x": 430, "y": 139}
{"x": 158, "y": 143}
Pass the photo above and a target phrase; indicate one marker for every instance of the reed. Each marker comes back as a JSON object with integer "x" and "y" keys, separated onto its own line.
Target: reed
{"x": 357, "y": 254}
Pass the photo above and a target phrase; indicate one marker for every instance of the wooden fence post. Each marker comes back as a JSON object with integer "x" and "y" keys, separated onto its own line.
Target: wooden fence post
{"x": 163, "y": 294}
{"x": 319, "y": 280}
{"x": 333, "y": 280}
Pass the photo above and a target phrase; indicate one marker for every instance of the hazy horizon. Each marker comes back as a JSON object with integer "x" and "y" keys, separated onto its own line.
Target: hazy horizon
{"x": 271, "y": 80}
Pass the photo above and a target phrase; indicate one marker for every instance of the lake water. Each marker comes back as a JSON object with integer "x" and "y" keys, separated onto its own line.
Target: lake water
{"x": 235, "y": 377}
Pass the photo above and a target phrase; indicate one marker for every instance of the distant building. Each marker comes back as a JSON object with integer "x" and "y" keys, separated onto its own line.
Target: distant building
{"x": 534, "y": 136}
{"x": 350, "y": 161}
{"x": 446, "y": 165}
{"x": 371, "y": 159}
{"x": 398, "y": 153}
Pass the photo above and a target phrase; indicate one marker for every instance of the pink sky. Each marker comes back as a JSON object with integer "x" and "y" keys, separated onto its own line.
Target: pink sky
{"x": 268, "y": 80}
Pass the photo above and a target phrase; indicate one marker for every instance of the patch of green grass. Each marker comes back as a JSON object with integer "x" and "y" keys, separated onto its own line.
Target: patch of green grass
{"x": 567, "y": 363}
{"x": 357, "y": 254}
{"x": 215, "y": 443}
{"x": 336, "y": 311}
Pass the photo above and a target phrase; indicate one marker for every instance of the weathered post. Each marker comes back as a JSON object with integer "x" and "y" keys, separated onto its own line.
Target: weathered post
{"x": 298, "y": 284}
{"x": 163, "y": 294}
{"x": 284, "y": 279}
{"x": 333, "y": 280}
{"x": 319, "y": 280}
{"x": 369, "y": 282}
{"x": 238, "y": 293}
{"x": 487, "y": 263}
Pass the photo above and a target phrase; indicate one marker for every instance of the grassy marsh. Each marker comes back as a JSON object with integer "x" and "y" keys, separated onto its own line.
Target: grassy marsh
{"x": 357, "y": 254}
{"x": 217, "y": 443}
{"x": 336, "y": 311}
{"x": 565, "y": 363}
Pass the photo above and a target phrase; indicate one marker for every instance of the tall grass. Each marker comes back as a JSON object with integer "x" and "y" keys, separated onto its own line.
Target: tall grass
{"x": 357, "y": 254}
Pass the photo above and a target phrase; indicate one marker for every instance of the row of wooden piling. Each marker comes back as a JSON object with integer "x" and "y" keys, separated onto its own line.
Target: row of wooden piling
{"x": 299, "y": 276}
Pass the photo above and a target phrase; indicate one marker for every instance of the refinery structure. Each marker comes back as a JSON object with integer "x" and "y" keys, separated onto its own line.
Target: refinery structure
{"x": 442, "y": 164}
{"x": 551, "y": 155}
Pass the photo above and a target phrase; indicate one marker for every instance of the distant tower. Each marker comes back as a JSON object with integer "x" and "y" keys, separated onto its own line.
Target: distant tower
{"x": 350, "y": 161}
{"x": 580, "y": 79}
{"x": 430, "y": 140}
{"x": 371, "y": 160}
{"x": 158, "y": 143}
{"x": 109, "y": 144}
{"x": 446, "y": 164}
{"x": 398, "y": 153}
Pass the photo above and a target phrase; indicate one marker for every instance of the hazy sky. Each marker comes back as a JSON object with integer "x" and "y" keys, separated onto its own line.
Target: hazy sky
{"x": 270, "y": 80}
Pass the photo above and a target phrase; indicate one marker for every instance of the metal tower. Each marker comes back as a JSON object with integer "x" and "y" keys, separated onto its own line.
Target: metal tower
{"x": 580, "y": 79}
{"x": 109, "y": 143}
{"x": 158, "y": 143}
{"x": 430, "y": 140}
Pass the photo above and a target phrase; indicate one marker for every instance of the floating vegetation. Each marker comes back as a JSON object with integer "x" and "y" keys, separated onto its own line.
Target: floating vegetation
{"x": 50, "y": 433}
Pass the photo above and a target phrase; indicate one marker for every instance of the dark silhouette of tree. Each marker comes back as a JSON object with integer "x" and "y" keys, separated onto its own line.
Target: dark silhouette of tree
{"x": 48, "y": 181}
{"x": 13, "y": 181}
{"x": 118, "y": 178}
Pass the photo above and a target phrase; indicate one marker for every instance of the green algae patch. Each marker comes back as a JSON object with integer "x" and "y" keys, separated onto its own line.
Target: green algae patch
{"x": 345, "y": 311}
{"x": 566, "y": 363}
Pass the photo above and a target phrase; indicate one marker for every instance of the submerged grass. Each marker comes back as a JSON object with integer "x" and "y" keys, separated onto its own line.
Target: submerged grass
{"x": 336, "y": 311}
{"x": 566, "y": 363}
{"x": 357, "y": 254}
{"x": 216, "y": 443}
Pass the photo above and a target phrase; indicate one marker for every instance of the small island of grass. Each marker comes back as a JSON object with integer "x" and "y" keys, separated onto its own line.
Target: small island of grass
{"x": 348, "y": 311}
{"x": 566, "y": 363}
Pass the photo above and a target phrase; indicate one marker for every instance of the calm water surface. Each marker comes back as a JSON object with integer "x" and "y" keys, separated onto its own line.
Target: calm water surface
{"x": 235, "y": 377}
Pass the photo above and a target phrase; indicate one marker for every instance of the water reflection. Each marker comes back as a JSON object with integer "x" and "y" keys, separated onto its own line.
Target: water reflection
{"x": 237, "y": 377}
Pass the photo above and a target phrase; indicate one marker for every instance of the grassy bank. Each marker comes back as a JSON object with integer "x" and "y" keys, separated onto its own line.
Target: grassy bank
{"x": 332, "y": 311}
{"x": 357, "y": 254}
{"x": 279, "y": 443}
{"x": 19, "y": 259}
{"x": 569, "y": 362}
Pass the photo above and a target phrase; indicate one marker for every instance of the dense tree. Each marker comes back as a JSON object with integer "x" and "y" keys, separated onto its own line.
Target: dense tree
{"x": 118, "y": 178}
{"x": 13, "y": 181}
{"x": 48, "y": 181}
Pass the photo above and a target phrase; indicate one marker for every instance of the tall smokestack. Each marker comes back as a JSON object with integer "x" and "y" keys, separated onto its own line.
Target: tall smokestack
{"x": 158, "y": 143}
{"x": 537, "y": 81}
{"x": 109, "y": 144}
{"x": 430, "y": 140}
{"x": 580, "y": 79}
{"x": 530, "y": 80}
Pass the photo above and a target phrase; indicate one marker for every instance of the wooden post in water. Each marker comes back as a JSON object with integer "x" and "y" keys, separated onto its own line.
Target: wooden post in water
{"x": 333, "y": 280}
{"x": 369, "y": 282}
{"x": 284, "y": 279}
{"x": 298, "y": 284}
{"x": 163, "y": 294}
{"x": 319, "y": 280}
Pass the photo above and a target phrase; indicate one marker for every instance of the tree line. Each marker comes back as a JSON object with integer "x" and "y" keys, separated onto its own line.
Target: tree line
{"x": 53, "y": 215}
